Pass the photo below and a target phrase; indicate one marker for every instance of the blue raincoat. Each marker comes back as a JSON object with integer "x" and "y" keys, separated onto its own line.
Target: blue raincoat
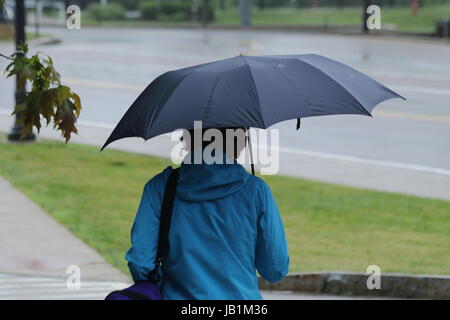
{"x": 225, "y": 227}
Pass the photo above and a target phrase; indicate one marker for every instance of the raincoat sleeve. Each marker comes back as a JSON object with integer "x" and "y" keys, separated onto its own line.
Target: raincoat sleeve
{"x": 272, "y": 259}
{"x": 144, "y": 233}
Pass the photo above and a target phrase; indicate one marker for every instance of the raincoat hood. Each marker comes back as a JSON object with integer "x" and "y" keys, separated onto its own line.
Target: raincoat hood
{"x": 202, "y": 182}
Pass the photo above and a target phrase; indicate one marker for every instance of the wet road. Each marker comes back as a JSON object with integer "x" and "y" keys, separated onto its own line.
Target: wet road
{"x": 404, "y": 148}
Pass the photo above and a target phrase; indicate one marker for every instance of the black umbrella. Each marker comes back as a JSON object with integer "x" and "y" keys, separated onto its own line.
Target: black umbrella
{"x": 249, "y": 91}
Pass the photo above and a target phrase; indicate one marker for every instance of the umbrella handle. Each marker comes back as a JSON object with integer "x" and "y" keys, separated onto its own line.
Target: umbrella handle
{"x": 251, "y": 151}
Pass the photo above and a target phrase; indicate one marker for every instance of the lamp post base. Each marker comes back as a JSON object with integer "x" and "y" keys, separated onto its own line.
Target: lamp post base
{"x": 14, "y": 136}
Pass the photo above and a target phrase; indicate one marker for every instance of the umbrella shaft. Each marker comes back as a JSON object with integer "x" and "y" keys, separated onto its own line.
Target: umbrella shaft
{"x": 250, "y": 150}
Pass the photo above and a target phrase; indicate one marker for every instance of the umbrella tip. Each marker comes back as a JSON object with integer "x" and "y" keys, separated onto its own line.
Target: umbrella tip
{"x": 298, "y": 123}
{"x": 104, "y": 146}
{"x": 397, "y": 95}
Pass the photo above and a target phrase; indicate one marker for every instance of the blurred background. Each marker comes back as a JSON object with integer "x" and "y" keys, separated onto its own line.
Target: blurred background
{"x": 412, "y": 16}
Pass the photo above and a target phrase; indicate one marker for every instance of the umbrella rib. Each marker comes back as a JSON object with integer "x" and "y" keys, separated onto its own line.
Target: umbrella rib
{"x": 256, "y": 91}
{"x": 339, "y": 84}
{"x": 162, "y": 102}
{"x": 209, "y": 101}
{"x": 297, "y": 87}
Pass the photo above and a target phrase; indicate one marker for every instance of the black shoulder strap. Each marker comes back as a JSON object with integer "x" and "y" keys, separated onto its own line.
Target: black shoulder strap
{"x": 166, "y": 215}
{"x": 164, "y": 222}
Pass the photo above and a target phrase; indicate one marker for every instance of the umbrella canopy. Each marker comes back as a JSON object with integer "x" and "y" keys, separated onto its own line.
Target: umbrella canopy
{"x": 249, "y": 91}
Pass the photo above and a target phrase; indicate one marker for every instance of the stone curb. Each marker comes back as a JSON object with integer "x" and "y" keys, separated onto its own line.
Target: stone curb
{"x": 44, "y": 41}
{"x": 323, "y": 29}
{"x": 354, "y": 284}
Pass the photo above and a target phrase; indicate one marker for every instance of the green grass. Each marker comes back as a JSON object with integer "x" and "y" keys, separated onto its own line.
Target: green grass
{"x": 293, "y": 16}
{"x": 401, "y": 18}
{"x": 29, "y": 36}
{"x": 329, "y": 227}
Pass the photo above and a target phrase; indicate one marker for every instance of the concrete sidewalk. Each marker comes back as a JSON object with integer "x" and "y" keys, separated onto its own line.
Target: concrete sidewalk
{"x": 32, "y": 287}
{"x": 32, "y": 243}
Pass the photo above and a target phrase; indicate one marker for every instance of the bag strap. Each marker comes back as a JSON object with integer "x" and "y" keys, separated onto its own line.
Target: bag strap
{"x": 164, "y": 223}
{"x": 128, "y": 293}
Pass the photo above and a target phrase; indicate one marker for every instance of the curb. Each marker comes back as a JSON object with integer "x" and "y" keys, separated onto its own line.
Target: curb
{"x": 345, "y": 30}
{"x": 354, "y": 284}
{"x": 40, "y": 41}
{"x": 44, "y": 41}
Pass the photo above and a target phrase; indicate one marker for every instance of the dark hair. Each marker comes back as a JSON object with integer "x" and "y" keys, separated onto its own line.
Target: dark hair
{"x": 223, "y": 132}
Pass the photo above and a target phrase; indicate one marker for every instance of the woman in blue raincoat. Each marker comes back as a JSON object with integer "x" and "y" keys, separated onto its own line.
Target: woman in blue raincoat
{"x": 225, "y": 226}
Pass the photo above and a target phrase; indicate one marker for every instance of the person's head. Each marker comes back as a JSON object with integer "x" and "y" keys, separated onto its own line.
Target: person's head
{"x": 230, "y": 140}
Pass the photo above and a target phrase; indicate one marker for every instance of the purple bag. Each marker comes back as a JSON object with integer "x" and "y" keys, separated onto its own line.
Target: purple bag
{"x": 148, "y": 289}
{"x": 143, "y": 290}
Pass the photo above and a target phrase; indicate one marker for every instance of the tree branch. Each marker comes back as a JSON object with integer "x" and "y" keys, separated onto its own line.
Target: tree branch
{"x": 9, "y": 58}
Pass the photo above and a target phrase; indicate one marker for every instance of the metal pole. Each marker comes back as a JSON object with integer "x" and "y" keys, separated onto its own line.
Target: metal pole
{"x": 204, "y": 13}
{"x": 365, "y": 16}
{"x": 36, "y": 17}
{"x": 20, "y": 23}
{"x": 20, "y": 90}
{"x": 3, "y": 18}
{"x": 250, "y": 149}
{"x": 245, "y": 13}
{"x": 40, "y": 9}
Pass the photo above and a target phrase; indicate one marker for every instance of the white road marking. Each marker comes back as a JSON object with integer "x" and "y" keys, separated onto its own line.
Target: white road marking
{"x": 405, "y": 75}
{"x": 50, "y": 288}
{"x": 417, "y": 89}
{"x": 103, "y": 84}
{"x": 412, "y": 116}
{"x": 355, "y": 159}
{"x": 95, "y": 124}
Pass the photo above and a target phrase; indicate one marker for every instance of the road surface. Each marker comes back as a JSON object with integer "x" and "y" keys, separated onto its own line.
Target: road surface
{"x": 404, "y": 148}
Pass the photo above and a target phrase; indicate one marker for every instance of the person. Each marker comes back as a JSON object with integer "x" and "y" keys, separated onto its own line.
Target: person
{"x": 225, "y": 226}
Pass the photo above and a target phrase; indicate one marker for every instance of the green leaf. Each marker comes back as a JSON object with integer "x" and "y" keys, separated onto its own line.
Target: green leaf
{"x": 48, "y": 103}
{"x": 48, "y": 98}
{"x": 19, "y": 108}
{"x": 65, "y": 119}
{"x": 62, "y": 93}
{"x": 76, "y": 102}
